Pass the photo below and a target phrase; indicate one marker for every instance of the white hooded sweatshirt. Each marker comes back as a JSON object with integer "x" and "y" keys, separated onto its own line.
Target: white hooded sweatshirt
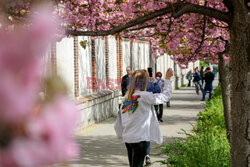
{"x": 137, "y": 119}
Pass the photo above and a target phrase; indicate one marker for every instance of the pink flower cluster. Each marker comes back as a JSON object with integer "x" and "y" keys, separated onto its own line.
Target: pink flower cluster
{"x": 187, "y": 38}
{"x": 33, "y": 132}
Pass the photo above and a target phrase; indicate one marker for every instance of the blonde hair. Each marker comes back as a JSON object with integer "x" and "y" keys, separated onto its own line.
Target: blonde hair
{"x": 138, "y": 80}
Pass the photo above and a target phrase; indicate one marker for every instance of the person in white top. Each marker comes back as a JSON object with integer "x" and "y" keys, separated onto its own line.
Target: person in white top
{"x": 137, "y": 122}
{"x": 159, "y": 108}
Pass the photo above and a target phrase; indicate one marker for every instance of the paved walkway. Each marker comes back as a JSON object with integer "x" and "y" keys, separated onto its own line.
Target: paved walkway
{"x": 101, "y": 148}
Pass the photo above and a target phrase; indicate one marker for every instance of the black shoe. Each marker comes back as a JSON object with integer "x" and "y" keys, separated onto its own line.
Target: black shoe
{"x": 148, "y": 161}
{"x": 160, "y": 120}
{"x": 202, "y": 99}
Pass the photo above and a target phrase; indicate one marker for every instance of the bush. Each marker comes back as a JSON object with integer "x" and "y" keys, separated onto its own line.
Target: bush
{"x": 207, "y": 145}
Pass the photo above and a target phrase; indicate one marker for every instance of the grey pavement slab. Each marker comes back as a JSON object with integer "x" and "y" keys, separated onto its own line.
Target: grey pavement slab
{"x": 101, "y": 148}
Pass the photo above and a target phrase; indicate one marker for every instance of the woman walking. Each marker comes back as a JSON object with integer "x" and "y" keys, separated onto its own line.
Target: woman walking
{"x": 138, "y": 123}
{"x": 159, "y": 108}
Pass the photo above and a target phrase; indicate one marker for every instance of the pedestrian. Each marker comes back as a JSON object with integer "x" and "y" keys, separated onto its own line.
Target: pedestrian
{"x": 209, "y": 77}
{"x": 197, "y": 81}
{"x": 202, "y": 75}
{"x": 125, "y": 81}
{"x": 159, "y": 108}
{"x": 189, "y": 77}
{"x": 137, "y": 122}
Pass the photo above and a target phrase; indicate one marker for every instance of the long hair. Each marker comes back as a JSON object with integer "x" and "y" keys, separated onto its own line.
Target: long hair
{"x": 138, "y": 81}
{"x": 208, "y": 69}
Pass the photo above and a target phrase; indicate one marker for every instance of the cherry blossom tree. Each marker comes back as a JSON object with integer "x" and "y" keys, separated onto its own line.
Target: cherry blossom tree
{"x": 188, "y": 30}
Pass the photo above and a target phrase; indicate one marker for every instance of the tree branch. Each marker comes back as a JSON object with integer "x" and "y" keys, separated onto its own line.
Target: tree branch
{"x": 176, "y": 9}
{"x": 203, "y": 35}
{"x": 206, "y": 11}
{"x": 142, "y": 27}
{"x": 216, "y": 24}
{"x": 203, "y": 32}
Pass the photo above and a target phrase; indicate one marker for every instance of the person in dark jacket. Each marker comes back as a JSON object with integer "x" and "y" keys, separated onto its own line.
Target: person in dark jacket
{"x": 209, "y": 77}
{"x": 125, "y": 81}
{"x": 197, "y": 81}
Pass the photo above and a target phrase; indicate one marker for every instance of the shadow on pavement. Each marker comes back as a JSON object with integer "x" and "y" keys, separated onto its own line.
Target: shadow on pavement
{"x": 109, "y": 151}
{"x": 100, "y": 151}
{"x": 176, "y": 120}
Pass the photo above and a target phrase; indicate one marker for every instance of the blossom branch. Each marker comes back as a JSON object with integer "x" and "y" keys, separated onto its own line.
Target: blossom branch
{"x": 143, "y": 27}
{"x": 176, "y": 9}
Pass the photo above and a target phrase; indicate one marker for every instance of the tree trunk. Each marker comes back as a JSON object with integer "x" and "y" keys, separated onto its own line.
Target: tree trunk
{"x": 225, "y": 87}
{"x": 240, "y": 90}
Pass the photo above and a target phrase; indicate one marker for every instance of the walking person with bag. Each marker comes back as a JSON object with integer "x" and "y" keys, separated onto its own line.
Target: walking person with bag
{"x": 138, "y": 123}
{"x": 197, "y": 81}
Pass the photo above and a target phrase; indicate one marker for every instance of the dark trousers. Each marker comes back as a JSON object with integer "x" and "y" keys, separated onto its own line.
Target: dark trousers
{"x": 198, "y": 86}
{"x": 160, "y": 111}
{"x": 189, "y": 83}
{"x": 136, "y": 153}
{"x": 148, "y": 148}
{"x": 208, "y": 87}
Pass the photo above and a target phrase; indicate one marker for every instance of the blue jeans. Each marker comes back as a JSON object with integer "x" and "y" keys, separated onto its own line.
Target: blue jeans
{"x": 198, "y": 86}
{"x": 208, "y": 87}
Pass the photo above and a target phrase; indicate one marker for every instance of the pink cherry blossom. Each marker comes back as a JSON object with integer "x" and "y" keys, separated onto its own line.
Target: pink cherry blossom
{"x": 36, "y": 134}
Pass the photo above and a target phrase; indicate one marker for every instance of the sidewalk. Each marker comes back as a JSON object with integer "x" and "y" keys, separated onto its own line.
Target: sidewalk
{"x": 101, "y": 148}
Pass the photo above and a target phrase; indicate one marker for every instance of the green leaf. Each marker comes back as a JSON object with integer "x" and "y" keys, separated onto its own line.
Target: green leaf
{"x": 84, "y": 44}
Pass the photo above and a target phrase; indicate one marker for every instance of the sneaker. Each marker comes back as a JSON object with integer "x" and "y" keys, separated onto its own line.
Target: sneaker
{"x": 202, "y": 99}
{"x": 160, "y": 120}
{"x": 148, "y": 161}
{"x": 168, "y": 104}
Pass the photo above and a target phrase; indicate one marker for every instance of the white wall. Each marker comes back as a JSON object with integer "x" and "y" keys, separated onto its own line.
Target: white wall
{"x": 146, "y": 55}
{"x": 141, "y": 56}
{"x": 100, "y": 61}
{"x": 65, "y": 62}
{"x": 112, "y": 58}
{"x": 126, "y": 55}
{"x": 85, "y": 69}
{"x": 135, "y": 65}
